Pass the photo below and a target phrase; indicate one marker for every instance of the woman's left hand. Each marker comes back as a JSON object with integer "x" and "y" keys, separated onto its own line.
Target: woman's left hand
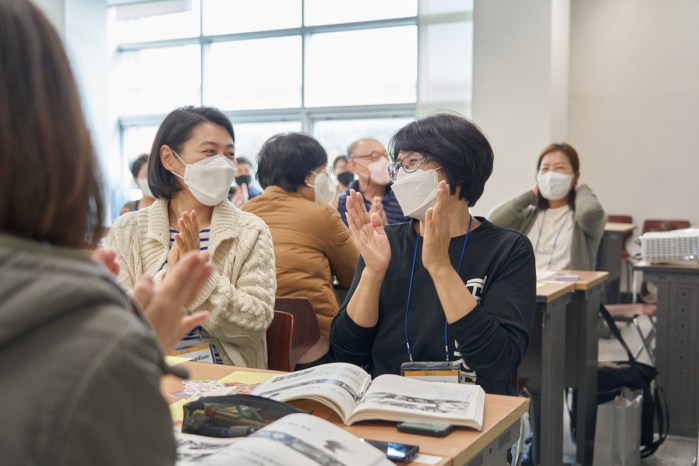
{"x": 188, "y": 238}
{"x": 437, "y": 235}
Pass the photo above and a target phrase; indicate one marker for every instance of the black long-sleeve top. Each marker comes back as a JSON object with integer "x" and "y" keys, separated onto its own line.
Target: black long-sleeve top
{"x": 498, "y": 268}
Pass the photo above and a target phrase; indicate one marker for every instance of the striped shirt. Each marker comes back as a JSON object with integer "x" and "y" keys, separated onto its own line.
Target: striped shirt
{"x": 198, "y": 336}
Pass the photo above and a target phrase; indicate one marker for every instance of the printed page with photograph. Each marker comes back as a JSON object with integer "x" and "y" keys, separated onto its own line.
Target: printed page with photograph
{"x": 395, "y": 398}
{"x": 296, "y": 440}
{"x": 338, "y": 386}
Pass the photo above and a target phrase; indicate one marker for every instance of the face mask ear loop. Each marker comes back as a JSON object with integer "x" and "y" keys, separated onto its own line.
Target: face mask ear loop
{"x": 185, "y": 165}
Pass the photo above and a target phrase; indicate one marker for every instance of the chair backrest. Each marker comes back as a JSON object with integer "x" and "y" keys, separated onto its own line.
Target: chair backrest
{"x": 622, "y": 219}
{"x": 279, "y": 342}
{"x": 306, "y": 329}
{"x": 665, "y": 225}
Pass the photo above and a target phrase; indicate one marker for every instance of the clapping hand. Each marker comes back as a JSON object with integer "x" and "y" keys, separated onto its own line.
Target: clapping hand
{"x": 377, "y": 207}
{"x": 241, "y": 196}
{"x": 165, "y": 306}
{"x": 435, "y": 248}
{"x": 108, "y": 258}
{"x": 368, "y": 234}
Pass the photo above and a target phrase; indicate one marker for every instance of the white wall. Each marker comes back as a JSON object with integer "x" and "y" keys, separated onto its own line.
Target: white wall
{"x": 634, "y": 104}
{"x": 520, "y": 87}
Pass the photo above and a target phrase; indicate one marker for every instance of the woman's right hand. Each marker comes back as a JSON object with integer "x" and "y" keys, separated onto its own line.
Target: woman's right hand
{"x": 368, "y": 234}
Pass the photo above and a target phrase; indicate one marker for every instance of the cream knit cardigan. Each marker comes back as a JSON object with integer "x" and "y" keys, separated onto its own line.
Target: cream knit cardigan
{"x": 239, "y": 294}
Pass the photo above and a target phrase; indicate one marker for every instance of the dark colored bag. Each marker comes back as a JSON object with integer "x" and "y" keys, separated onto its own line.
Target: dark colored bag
{"x": 613, "y": 376}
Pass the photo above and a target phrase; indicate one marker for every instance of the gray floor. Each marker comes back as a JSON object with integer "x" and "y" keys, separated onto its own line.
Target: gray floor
{"x": 676, "y": 451}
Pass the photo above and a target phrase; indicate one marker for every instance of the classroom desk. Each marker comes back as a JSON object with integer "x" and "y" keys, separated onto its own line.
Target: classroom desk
{"x": 609, "y": 257}
{"x": 464, "y": 447}
{"x": 544, "y": 364}
{"x": 581, "y": 355}
{"x": 677, "y": 346}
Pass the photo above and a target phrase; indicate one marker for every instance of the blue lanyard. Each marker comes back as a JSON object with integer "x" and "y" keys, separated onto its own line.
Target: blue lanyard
{"x": 410, "y": 289}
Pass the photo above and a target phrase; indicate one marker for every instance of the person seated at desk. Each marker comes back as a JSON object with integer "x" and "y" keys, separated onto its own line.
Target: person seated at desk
{"x": 244, "y": 180}
{"x": 191, "y": 167}
{"x": 139, "y": 170}
{"x": 311, "y": 245}
{"x": 563, "y": 220}
{"x": 368, "y": 160}
{"x": 80, "y": 366}
{"x": 445, "y": 280}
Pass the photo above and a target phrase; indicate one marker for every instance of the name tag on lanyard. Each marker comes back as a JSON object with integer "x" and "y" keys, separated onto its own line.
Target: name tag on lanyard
{"x": 441, "y": 371}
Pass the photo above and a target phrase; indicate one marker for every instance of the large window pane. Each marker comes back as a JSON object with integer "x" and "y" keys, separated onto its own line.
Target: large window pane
{"x": 432, "y": 7}
{"x": 449, "y": 62}
{"x": 349, "y": 11}
{"x": 373, "y": 66}
{"x": 158, "y": 27}
{"x": 249, "y": 137}
{"x": 137, "y": 140}
{"x": 159, "y": 80}
{"x": 254, "y": 74}
{"x": 336, "y": 135}
{"x": 231, "y": 16}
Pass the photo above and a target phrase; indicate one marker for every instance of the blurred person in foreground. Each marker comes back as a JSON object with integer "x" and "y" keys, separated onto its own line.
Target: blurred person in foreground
{"x": 80, "y": 363}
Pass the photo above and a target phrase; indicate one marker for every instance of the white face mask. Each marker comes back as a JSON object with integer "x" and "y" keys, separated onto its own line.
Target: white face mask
{"x": 378, "y": 171}
{"x": 145, "y": 189}
{"x": 324, "y": 188}
{"x": 553, "y": 185}
{"x": 416, "y": 192}
{"x": 209, "y": 179}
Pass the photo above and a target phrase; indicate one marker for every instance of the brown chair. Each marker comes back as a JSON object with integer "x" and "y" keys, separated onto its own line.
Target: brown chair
{"x": 279, "y": 335}
{"x": 306, "y": 343}
{"x": 622, "y": 219}
{"x": 665, "y": 225}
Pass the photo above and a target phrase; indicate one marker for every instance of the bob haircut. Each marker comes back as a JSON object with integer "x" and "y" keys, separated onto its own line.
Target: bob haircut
{"x": 51, "y": 188}
{"x": 339, "y": 158}
{"x": 572, "y": 155}
{"x": 456, "y": 144}
{"x": 285, "y": 160}
{"x": 138, "y": 163}
{"x": 174, "y": 132}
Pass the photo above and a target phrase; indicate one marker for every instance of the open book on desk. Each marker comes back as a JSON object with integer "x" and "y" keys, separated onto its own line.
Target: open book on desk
{"x": 294, "y": 440}
{"x": 349, "y": 391}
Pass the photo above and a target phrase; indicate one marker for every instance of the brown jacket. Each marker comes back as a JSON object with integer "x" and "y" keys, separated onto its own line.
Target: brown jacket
{"x": 311, "y": 244}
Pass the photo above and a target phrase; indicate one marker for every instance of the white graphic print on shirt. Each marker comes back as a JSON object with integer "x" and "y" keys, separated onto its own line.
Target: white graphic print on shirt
{"x": 476, "y": 286}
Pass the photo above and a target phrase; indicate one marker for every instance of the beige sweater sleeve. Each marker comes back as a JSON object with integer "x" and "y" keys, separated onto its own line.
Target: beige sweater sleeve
{"x": 120, "y": 230}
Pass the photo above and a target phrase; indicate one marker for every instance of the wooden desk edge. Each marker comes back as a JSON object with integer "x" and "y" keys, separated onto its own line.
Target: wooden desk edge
{"x": 491, "y": 434}
{"x": 619, "y": 227}
{"x": 583, "y": 285}
{"x": 566, "y": 287}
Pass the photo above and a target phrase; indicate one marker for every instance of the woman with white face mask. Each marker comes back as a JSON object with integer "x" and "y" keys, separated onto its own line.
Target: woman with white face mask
{"x": 447, "y": 286}
{"x": 311, "y": 244}
{"x": 563, "y": 219}
{"x": 139, "y": 170}
{"x": 190, "y": 170}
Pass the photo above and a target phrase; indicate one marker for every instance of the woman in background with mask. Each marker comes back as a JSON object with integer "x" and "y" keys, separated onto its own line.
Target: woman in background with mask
{"x": 447, "y": 286}
{"x": 139, "y": 170}
{"x": 563, "y": 220}
{"x": 191, "y": 166}
{"x": 311, "y": 244}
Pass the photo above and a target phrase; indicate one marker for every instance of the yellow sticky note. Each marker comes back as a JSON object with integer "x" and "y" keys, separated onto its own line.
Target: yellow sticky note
{"x": 539, "y": 284}
{"x": 177, "y": 410}
{"x": 175, "y": 360}
{"x": 319, "y": 409}
{"x": 247, "y": 378}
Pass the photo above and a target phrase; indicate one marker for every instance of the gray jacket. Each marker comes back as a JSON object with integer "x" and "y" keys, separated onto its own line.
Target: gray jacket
{"x": 79, "y": 373}
{"x": 589, "y": 219}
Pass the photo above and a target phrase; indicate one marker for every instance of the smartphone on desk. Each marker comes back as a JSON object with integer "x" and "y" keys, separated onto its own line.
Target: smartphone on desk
{"x": 432, "y": 430}
{"x": 396, "y": 452}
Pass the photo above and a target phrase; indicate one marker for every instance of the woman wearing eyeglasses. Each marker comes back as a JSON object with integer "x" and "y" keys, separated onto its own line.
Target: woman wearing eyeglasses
{"x": 447, "y": 286}
{"x": 311, "y": 245}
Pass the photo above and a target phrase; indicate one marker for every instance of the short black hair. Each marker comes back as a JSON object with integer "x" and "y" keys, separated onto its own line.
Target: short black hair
{"x": 138, "y": 163}
{"x": 174, "y": 132}
{"x": 337, "y": 159}
{"x": 455, "y": 143}
{"x": 240, "y": 160}
{"x": 286, "y": 159}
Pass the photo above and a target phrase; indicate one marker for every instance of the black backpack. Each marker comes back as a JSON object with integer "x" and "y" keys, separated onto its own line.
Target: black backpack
{"x": 613, "y": 376}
